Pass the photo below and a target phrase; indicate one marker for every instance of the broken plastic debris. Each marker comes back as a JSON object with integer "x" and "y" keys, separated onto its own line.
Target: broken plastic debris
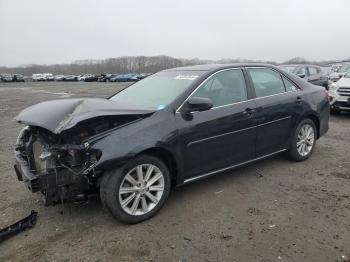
{"x": 21, "y": 225}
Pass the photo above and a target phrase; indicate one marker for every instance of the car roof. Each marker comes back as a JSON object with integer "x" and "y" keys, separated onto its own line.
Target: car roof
{"x": 300, "y": 65}
{"x": 216, "y": 67}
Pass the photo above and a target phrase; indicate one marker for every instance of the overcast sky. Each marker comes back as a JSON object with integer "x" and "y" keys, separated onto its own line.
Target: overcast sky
{"x": 62, "y": 31}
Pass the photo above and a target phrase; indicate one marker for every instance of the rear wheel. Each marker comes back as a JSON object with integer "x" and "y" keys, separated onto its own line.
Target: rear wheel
{"x": 136, "y": 191}
{"x": 303, "y": 141}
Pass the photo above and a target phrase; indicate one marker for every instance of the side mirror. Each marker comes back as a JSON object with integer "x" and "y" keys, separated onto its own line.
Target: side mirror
{"x": 301, "y": 75}
{"x": 197, "y": 104}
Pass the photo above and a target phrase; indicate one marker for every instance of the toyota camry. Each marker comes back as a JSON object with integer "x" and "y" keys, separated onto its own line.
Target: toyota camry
{"x": 174, "y": 127}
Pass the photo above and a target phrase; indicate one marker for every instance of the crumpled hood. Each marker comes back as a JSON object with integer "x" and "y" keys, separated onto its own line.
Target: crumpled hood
{"x": 59, "y": 115}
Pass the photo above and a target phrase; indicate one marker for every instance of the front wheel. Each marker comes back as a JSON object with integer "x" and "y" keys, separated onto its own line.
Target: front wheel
{"x": 303, "y": 141}
{"x": 136, "y": 191}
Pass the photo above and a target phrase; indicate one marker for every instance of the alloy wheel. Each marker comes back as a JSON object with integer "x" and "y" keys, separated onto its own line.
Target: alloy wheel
{"x": 141, "y": 189}
{"x": 305, "y": 141}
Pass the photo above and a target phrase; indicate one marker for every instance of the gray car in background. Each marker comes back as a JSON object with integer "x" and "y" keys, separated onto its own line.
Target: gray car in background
{"x": 311, "y": 73}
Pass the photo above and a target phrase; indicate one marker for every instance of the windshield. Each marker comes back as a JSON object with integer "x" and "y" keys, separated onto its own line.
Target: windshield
{"x": 159, "y": 90}
{"x": 289, "y": 69}
{"x": 344, "y": 68}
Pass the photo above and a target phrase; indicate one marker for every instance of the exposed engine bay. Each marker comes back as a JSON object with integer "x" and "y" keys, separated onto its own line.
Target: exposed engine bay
{"x": 61, "y": 166}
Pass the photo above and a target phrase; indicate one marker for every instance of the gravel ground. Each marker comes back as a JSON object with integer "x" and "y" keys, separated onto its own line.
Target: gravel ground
{"x": 273, "y": 210}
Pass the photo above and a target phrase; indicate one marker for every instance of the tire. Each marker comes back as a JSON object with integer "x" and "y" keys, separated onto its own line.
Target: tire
{"x": 141, "y": 200}
{"x": 297, "y": 145}
{"x": 335, "y": 111}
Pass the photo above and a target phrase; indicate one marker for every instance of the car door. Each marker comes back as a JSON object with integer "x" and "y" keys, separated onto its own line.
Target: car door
{"x": 224, "y": 135}
{"x": 278, "y": 107}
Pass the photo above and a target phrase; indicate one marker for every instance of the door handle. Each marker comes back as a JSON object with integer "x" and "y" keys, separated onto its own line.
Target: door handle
{"x": 248, "y": 111}
{"x": 299, "y": 99}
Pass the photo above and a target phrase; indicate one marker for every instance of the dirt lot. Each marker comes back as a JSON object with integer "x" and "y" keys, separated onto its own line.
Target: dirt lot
{"x": 273, "y": 210}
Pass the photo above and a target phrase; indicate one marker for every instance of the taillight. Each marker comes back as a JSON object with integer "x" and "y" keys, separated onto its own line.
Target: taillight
{"x": 327, "y": 94}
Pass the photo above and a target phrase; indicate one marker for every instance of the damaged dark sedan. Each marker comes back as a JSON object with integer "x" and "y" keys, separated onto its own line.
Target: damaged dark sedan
{"x": 171, "y": 128}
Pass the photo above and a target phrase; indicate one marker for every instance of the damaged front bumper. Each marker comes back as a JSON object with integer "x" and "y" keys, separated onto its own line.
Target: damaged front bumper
{"x": 25, "y": 175}
{"x": 55, "y": 185}
{"x": 57, "y": 180}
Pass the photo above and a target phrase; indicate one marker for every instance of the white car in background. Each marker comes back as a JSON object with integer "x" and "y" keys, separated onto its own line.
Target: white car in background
{"x": 48, "y": 77}
{"x": 82, "y": 77}
{"x": 339, "y": 93}
{"x": 38, "y": 77}
{"x": 59, "y": 77}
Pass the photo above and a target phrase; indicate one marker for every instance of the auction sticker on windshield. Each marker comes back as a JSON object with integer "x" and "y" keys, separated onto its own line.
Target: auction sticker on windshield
{"x": 186, "y": 77}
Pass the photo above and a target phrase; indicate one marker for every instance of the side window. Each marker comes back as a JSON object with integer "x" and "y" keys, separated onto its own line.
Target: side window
{"x": 224, "y": 88}
{"x": 266, "y": 81}
{"x": 289, "y": 85}
{"x": 301, "y": 71}
{"x": 312, "y": 71}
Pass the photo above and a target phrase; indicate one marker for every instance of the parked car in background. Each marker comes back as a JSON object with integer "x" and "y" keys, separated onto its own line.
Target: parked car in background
{"x": 18, "y": 78}
{"x": 339, "y": 93}
{"x": 343, "y": 70}
{"x": 6, "y": 77}
{"x": 335, "y": 67}
{"x": 70, "y": 78}
{"x": 38, "y": 77}
{"x": 126, "y": 78}
{"x": 106, "y": 77}
{"x": 87, "y": 77}
{"x": 90, "y": 78}
{"x": 59, "y": 77}
{"x": 82, "y": 77}
{"x": 113, "y": 78}
{"x": 110, "y": 78}
{"x": 143, "y": 75}
{"x": 48, "y": 77}
{"x": 101, "y": 78}
{"x": 172, "y": 128}
{"x": 311, "y": 73}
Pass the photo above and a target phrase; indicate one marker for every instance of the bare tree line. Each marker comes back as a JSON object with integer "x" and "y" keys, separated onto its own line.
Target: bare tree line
{"x": 131, "y": 64}
{"x": 119, "y": 65}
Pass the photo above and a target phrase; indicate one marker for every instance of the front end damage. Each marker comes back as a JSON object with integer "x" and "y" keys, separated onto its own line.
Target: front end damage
{"x": 60, "y": 167}
{"x": 61, "y": 164}
{"x": 55, "y": 154}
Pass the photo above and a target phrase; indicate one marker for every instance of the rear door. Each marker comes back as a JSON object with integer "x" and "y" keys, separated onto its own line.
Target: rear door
{"x": 278, "y": 107}
{"x": 224, "y": 135}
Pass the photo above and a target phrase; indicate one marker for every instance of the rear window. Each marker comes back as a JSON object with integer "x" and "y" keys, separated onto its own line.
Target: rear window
{"x": 266, "y": 81}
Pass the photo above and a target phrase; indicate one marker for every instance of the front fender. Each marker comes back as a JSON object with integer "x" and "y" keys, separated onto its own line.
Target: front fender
{"x": 120, "y": 146}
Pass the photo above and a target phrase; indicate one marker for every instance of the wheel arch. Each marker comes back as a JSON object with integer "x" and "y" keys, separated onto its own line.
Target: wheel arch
{"x": 316, "y": 121}
{"x": 167, "y": 157}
